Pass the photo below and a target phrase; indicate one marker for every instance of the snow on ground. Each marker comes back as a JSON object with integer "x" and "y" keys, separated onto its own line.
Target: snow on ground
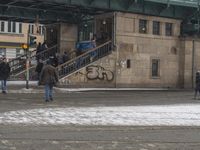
{"x": 157, "y": 115}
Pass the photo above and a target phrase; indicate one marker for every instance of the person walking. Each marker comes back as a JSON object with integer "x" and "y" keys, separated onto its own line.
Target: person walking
{"x": 197, "y": 85}
{"x": 48, "y": 78}
{"x": 4, "y": 74}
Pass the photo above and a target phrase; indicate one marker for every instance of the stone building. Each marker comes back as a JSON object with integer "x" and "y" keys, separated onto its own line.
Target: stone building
{"x": 149, "y": 52}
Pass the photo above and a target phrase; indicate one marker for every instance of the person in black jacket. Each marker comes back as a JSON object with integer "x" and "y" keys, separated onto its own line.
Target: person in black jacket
{"x": 197, "y": 85}
{"x": 4, "y": 74}
{"x": 39, "y": 67}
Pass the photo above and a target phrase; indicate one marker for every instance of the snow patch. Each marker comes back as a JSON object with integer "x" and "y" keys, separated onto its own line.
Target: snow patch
{"x": 159, "y": 115}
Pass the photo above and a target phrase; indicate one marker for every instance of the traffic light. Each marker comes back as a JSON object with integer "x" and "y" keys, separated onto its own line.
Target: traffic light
{"x": 32, "y": 40}
{"x": 24, "y": 46}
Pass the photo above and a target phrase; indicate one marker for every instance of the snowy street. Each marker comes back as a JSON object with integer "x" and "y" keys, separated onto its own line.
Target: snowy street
{"x": 164, "y": 115}
{"x": 105, "y": 120}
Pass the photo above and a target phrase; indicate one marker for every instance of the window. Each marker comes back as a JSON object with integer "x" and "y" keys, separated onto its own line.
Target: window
{"x": 13, "y": 27}
{"x": 155, "y": 67}
{"x": 20, "y": 27}
{"x": 128, "y": 63}
{"x": 2, "y": 26}
{"x": 31, "y": 28}
{"x": 156, "y": 28}
{"x": 168, "y": 29}
{"x": 142, "y": 26}
{"x": 9, "y": 26}
{"x": 40, "y": 30}
{"x": 43, "y": 30}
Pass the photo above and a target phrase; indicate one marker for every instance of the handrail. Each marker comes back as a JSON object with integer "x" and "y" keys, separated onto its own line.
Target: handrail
{"x": 18, "y": 65}
{"x": 40, "y": 53}
{"x": 89, "y": 51}
{"x": 85, "y": 59}
{"x": 73, "y": 64}
{"x": 17, "y": 58}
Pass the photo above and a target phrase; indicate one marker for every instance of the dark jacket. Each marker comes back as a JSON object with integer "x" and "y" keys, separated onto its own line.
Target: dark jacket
{"x": 4, "y": 71}
{"x": 65, "y": 58}
{"x": 39, "y": 68}
{"x": 48, "y": 75}
{"x": 197, "y": 81}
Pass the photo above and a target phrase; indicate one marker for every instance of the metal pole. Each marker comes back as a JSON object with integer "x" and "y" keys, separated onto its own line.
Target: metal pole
{"x": 193, "y": 62}
{"x": 116, "y": 47}
{"x": 27, "y": 62}
{"x": 27, "y": 70}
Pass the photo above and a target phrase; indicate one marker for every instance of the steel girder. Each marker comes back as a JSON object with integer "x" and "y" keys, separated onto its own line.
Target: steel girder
{"x": 74, "y": 10}
{"x": 186, "y": 3}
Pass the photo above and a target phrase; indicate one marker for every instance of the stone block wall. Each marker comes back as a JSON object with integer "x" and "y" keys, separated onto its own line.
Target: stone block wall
{"x": 140, "y": 49}
{"x": 98, "y": 74}
{"x": 68, "y": 37}
{"x": 131, "y": 62}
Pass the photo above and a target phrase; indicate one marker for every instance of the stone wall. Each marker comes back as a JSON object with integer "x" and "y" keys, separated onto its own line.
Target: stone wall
{"x": 98, "y": 74}
{"x": 192, "y": 61}
{"x": 140, "y": 49}
{"x": 176, "y": 66}
{"x": 68, "y": 37}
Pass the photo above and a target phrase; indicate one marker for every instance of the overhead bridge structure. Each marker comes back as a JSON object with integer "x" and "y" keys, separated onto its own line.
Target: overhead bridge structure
{"x": 74, "y": 10}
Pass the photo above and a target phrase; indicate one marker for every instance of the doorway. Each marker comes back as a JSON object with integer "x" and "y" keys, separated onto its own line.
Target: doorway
{"x": 104, "y": 29}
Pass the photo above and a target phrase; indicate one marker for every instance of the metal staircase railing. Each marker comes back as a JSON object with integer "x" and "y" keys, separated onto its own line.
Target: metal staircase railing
{"x": 18, "y": 65}
{"x": 85, "y": 59}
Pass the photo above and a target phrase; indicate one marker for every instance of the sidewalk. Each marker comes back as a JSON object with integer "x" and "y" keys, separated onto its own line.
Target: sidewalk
{"x": 20, "y": 87}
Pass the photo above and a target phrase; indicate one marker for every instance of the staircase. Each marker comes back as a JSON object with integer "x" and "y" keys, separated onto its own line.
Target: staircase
{"x": 84, "y": 60}
{"x": 18, "y": 65}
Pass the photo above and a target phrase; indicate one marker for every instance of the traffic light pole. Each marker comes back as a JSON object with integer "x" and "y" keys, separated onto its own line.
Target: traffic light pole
{"x": 27, "y": 63}
{"x": 27, "y": 70}
{"x": 31, "y": 40}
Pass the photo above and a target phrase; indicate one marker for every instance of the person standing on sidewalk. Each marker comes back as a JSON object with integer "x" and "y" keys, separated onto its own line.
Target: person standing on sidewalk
{"x": 197, "y": 85}
{"x": 4, "y": 74}
{"x": 48, "y": 78}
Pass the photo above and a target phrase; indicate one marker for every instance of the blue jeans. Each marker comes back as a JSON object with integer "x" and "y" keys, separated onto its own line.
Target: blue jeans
{"x": 4, "y": 85}
{"x": 48, "y": 92}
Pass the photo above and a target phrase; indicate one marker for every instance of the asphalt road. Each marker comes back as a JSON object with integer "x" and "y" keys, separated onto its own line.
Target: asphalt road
{"x": 72, "y": 137}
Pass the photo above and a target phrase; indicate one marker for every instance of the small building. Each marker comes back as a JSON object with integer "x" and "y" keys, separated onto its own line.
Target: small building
{"x": 14, "y": 34}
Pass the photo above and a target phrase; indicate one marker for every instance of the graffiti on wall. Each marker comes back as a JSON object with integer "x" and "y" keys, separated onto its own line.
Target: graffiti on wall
{"x": 95, "y": 72}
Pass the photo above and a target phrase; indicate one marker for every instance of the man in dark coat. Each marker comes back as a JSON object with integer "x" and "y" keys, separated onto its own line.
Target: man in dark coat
{"x": 48, "y": 78}
{"x": 197, "y": 85}
{"x": 39, "y": 67}
{"x": 4, "y": 74}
